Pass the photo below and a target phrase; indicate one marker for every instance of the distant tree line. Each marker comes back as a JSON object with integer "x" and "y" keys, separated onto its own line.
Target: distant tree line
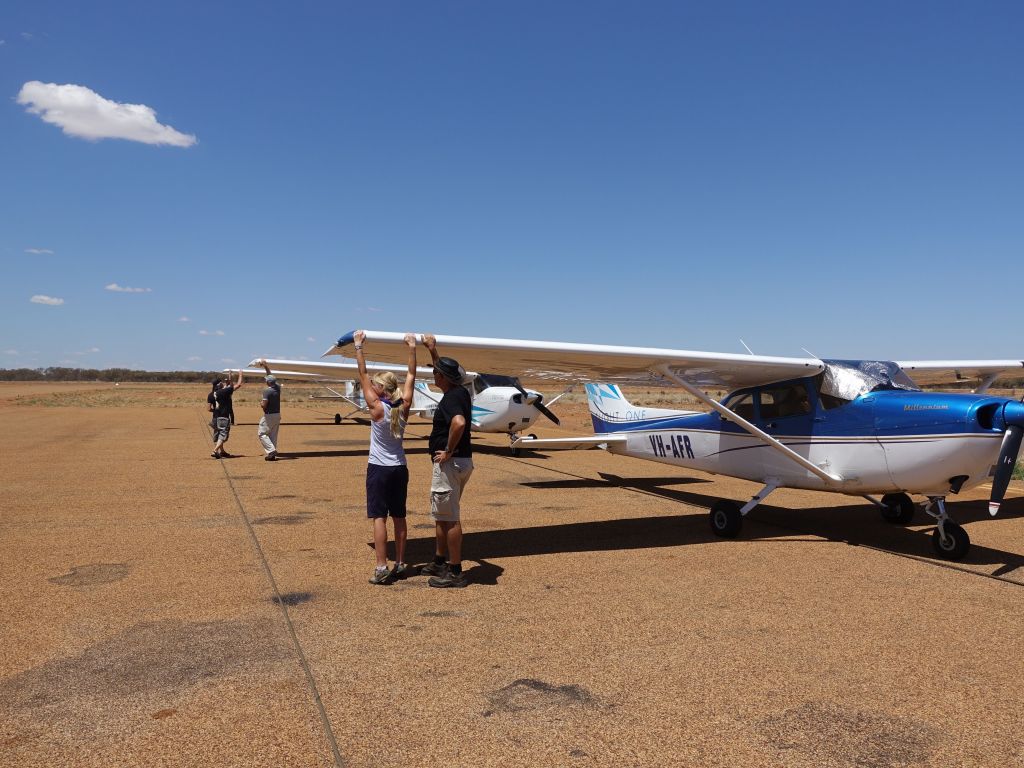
{"x": 107, "y": 374}
{"x": 191, "y": 377}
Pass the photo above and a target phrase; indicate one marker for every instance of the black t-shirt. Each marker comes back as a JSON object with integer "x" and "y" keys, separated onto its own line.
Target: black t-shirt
{"x": 223, "y": 396}
{"x": 455, "y": 402}
{"x": 212, "y": 400}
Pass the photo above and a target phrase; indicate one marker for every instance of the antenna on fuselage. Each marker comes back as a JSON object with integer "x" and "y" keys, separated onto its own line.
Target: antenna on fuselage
{"x": 805, "y": 349}
{"x": 745, "y": 345}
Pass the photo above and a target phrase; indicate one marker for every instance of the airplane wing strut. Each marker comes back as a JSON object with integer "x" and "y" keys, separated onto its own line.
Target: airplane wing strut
{"x": 770, "y": 441}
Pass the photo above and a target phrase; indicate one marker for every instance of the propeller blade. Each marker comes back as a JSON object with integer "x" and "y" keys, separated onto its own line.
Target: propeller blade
{"x": 544, "y": 409}
{"x": 538, "y": 403}
{"x": 1004, "y": 467}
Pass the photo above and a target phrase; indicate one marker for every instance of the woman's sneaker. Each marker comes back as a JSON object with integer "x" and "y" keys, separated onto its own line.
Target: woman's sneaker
{"x": 381, "y": 575}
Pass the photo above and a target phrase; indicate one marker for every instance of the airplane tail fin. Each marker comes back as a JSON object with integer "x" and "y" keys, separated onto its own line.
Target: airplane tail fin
{"x": 610, "y": 411}
{"x": 424, "y": 399}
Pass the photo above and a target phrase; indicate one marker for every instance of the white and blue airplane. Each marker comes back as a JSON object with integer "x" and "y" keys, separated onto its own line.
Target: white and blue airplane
{"x": 500, "y": 403}
{"x": 856, "y": 427}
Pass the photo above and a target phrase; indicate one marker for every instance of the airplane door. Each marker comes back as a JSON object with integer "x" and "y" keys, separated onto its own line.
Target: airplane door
{"x": 839, "y": 438}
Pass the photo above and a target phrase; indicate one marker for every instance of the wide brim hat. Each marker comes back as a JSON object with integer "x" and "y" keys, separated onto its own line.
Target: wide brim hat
{"x": 451, "y": 370}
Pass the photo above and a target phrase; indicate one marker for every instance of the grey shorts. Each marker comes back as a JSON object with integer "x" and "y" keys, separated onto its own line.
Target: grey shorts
{"x": 446, "y": 485}
{"x": 221, "y": 428}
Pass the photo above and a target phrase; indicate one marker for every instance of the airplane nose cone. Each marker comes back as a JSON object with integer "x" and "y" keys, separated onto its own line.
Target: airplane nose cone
{"x": 1013, "y": 414}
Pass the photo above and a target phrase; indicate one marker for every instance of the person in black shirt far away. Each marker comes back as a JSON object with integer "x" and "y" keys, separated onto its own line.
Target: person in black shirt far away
{"x": 222, "y": 415}
{"x": 270, "y": 422}
{"x": 452, "y": 455}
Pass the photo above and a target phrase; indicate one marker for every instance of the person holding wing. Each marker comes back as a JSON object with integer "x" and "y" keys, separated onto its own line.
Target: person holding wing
{"x": 387, "y": 476}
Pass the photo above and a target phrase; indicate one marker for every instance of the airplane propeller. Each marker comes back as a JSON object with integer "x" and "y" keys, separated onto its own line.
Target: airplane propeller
{"x": 538, "y": 404}
{"x": 1013, "y": 417}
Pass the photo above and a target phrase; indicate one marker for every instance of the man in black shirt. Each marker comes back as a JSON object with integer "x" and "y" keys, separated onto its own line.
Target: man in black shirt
{"x": 271, "y": 419}
{"x": 222, "y": 415}
{"x": 452, "y": 456}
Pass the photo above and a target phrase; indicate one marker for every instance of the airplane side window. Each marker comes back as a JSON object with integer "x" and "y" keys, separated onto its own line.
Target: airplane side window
{"x": 742, "y": 406}
{"x": 780, "y": 402}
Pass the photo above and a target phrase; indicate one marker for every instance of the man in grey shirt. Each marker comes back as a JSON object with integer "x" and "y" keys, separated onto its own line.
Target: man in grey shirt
{"x": 271, "y": 420}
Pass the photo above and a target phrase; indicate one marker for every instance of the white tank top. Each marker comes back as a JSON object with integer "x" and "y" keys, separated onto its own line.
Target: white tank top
{"x": 385, "y": 449}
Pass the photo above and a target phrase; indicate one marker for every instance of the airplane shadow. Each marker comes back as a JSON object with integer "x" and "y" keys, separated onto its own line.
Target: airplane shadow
{"x": 859, "y": 525}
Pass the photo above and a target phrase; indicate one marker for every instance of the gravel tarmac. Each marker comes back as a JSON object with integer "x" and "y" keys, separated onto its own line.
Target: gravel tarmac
{"x": 163, "y": 608}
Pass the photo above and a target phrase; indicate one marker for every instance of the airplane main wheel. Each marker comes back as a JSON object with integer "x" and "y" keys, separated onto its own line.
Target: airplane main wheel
{"x": 337, "y": 418}
{"x": 956, "y": 543}
{"x": 726, "y": 520}
{"x": 897, "y": 508}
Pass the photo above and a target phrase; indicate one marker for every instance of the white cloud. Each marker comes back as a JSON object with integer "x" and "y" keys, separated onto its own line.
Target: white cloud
{"x": 126, "y": 289}
{"x": 227, "y": 360}
{"x": 11, "y": 352}
{"x": 39, "y": 251}
{"x": 184, "y": 319}
{"x": 50, "y": 300}
{"x": 81, "y": 112}
{"x": 211, "y": 333}
{"x": 310, "y": 338}
{"x": 194, "y": 359}
{"x": 94, "y": 349}
{"x": 27, "y": 36}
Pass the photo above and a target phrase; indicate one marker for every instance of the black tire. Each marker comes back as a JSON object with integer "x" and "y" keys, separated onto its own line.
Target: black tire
{"x": 726, "y": 520}
{"x": 956, "y": 544}
{"x": 532, "y": 436}
{"x": 337, "y": 418}
{"x": 898, "y": 509}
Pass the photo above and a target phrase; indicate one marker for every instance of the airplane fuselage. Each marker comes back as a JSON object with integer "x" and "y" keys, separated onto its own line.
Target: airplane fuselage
{"x": 882, "y": 442}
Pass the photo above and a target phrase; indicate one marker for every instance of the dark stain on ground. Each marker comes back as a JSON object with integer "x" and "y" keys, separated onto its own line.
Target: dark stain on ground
{"x": 527, "y": 694}
{"x": 163, "y": 713}
{"x": 101, "y": 691}
{"x": 292, "y": 598}
{"x": 578, "y": 753}
{"x": 280, "y": 496}
{"x": 299, "y": 519}
{"x": 496, "y": 504}
{"x": 91, "y": 575}
{"x": 171, "y": 427}
{"x": 827, "y": 735}
{"x": 440, "y": 614}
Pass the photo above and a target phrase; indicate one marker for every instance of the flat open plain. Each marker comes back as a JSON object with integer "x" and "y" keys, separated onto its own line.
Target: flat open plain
{"x": 165, "y": 608}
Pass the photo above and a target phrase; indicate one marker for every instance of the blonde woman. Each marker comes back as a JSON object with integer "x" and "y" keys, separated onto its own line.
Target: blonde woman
{"x": 387, "y": 476}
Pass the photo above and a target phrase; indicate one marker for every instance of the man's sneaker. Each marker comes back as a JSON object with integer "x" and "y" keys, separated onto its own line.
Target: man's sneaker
{"x": 400, "y": 571}
{"x": 381, "y": 575}
{"x": 272, "y": 456}
{"x": 434, "y": 569}
{"x": 449, "y": 579}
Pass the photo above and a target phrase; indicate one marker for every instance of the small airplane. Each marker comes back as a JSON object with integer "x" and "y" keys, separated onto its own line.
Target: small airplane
{"x": 500, "y": 403}
{"x": 855, "y": 427}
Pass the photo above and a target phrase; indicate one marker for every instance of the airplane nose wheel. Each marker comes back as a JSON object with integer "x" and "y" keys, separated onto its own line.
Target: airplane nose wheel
{"x": 726, "y": 519}
{"x": 949, "y": 540}
{"x": 954, "y": 544}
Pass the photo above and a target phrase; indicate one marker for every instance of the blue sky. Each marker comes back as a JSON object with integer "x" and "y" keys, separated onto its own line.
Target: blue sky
{"x": 845, "y": 177}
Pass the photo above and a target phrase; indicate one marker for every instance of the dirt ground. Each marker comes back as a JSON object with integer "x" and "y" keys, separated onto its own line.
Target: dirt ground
{"x": 165, "y": 608}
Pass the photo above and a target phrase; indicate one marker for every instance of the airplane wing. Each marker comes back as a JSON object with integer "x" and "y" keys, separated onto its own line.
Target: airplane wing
{"x": 281, "y": 374}
{"x": 938, "y": 372}
{"x": 565, "y": 361}
{"x": 339, "y": 370}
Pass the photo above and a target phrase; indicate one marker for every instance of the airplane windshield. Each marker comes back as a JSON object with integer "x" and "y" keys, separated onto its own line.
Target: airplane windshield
{"x": 849, "y": 379}
{"x": 485, "y": 380}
